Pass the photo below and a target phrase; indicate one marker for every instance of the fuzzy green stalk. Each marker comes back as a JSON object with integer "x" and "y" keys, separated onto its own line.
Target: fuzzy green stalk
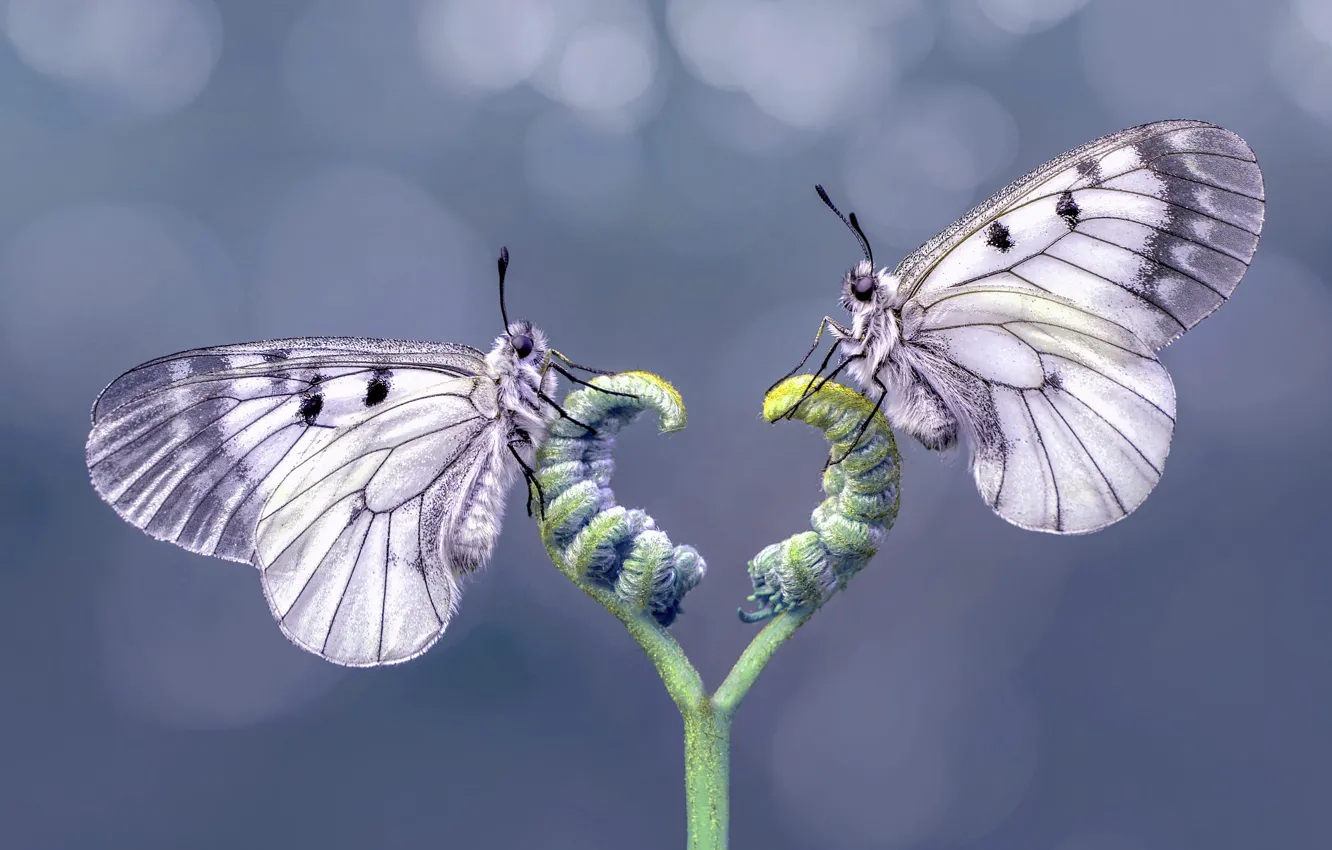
{"x": 621, "y": 559}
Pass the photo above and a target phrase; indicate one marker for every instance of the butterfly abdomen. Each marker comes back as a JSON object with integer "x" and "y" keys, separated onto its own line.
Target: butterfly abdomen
{"x": 469, "y": 544}
{"x": 915, "y": 407}
{"x": 882, "y": 366}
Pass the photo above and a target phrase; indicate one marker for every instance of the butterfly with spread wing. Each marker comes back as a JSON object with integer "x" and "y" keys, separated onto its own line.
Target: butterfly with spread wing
{"x": 363, "y": 477}
{"x": 1029, "y": 327}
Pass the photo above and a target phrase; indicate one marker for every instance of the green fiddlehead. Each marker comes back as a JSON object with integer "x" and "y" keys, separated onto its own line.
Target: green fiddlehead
{"x": 805, "y": 570}
{"x": 594, "y": 541}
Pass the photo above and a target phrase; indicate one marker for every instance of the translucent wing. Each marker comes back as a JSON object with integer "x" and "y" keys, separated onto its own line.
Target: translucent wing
{"x": 1151, "y": 227}
{"x": 183, "y": 446}
{"x": 1070, "y": 415}
{"x": 192, "y": 448}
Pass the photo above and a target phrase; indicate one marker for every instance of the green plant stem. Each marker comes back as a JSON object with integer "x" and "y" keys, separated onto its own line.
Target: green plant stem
{"x": 755, "y": 657}
{"x": 707, "y": 740}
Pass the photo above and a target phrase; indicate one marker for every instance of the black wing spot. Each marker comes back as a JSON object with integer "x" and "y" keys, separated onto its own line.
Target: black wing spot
{"x": 310, "y": 407}
{"x": 377, "y": 390}
{"x": 275, "y": 356}
{"x": 1068, "y": 209}
{"x": 1054, "y": 381}
{"x": 1090, "y": 171}
{"x": 997, "y": 236}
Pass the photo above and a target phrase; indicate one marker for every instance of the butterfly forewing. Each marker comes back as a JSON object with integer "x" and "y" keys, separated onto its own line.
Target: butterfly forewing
{"x": 184, "y": 446}
{"x": 1151, "y": 227}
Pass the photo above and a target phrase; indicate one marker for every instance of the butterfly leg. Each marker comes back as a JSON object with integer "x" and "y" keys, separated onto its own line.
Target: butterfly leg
{"x": 549, "y": 364}
{"x": 883, "y": 393}
{"x": 809, "y": 388}
{"x": 812, "y": 389}
{"x": 841, "y": 333}
{"x": 545, "y": 367}
{"x": 566, "y": 373}
{"x": 827, "y": 322}
{"x": 591, "y": 432}
{"x": 529, "y": 475}
{"x": 573, "y": 365}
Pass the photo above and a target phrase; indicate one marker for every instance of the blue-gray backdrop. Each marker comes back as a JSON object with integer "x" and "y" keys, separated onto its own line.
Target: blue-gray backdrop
{"x": 177, "y": 173}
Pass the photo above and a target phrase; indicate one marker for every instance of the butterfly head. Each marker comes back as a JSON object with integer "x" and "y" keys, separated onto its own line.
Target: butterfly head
{"x": 525, "y": 341}
{"x": 860, "y": 287}
{"x": 866, "y": 291}
{"x": 522, "y": 348}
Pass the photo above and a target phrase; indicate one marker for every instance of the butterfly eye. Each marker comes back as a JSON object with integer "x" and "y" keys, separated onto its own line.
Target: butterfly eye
{"x": 522, "y": 345}
{"x": 863, "y": 288}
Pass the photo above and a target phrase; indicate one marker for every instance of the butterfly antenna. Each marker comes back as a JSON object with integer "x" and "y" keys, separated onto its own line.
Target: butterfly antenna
{"x": 864, "y": 240}
{"x": 851, "y": 223}
{"x": 503, "y": 267}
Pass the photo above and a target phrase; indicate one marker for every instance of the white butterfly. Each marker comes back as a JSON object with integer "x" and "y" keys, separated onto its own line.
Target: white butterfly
{"x": 363, "y": 477}
{"x": 1030, "y": 325}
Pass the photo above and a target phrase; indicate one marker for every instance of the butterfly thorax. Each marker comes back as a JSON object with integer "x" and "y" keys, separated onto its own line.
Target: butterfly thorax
{"x": 875, "y": 324}
{"x": 883, "y": 365}
{"x": 519, "y": 382}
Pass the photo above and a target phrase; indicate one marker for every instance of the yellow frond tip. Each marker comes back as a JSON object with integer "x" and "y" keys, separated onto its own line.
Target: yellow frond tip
{"x": 784, "y": 396}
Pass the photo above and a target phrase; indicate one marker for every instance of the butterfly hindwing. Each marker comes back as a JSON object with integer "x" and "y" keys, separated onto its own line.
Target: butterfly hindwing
{"x": 354, "y": 543}
{"x": 1070, "y": 415}
{"x": 1151, "y": 227}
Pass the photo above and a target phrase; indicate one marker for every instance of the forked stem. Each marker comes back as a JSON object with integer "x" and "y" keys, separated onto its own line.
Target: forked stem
{"x": 755, "y": 657}
{"x": 707, "y": 718}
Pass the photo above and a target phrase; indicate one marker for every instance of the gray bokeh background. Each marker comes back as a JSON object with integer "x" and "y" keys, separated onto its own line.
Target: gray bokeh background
{"x": 177, "y": 173}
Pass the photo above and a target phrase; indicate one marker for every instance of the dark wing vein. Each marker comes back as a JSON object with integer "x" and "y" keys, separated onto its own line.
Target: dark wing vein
{"x": 1111, "y": 380}
{"x": 1054, "y": 480}
{"x": 214, "y": 452}
{"x": 1140, "y": 296}
{"x": 1159, "y": 262}
{"x": 387, "y": 449}
{"x": 320, "y": 563}
{"x": 1083, "y": 446}
{"x": 1115, "y": 428}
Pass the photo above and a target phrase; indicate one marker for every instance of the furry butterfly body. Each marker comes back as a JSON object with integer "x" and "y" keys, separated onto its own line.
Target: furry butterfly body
{"x": 1029, "y": 327}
